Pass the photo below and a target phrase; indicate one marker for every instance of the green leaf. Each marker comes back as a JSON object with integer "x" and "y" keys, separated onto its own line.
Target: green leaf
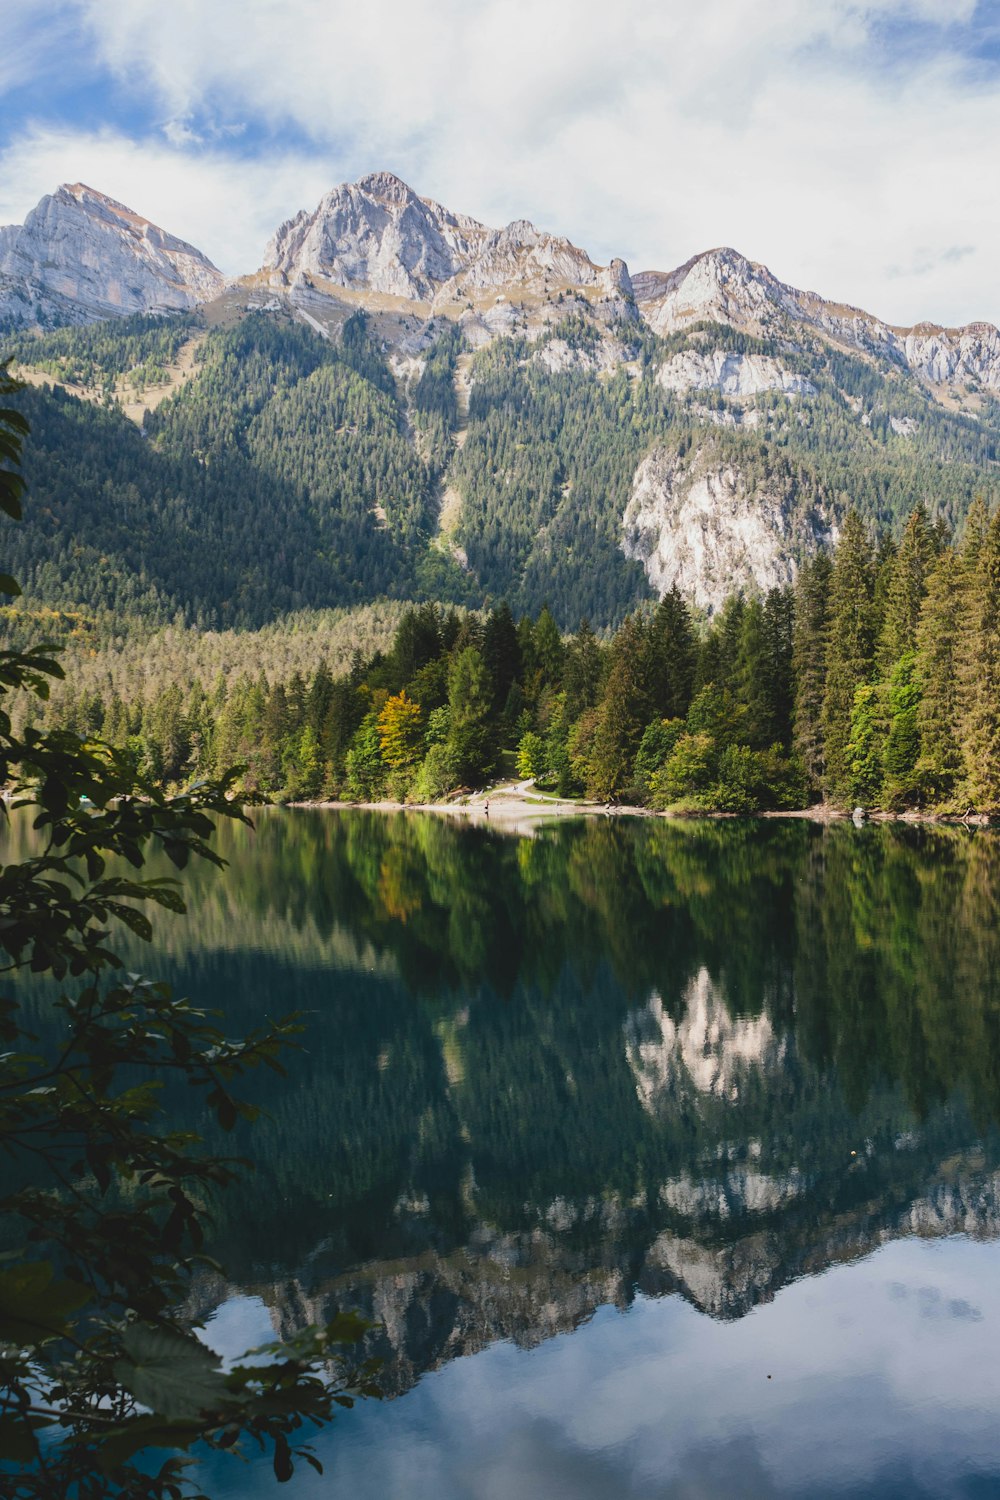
{"x": 173, "y": 1374}
{"x": 145, "y": 1432}
{"x": 34, "y": 1306}
{"x": 346, "y": 1328}
{"x": 9, "y": 585}
{"x": 283, "y": 1467}
{"x": 17, "y": 1445}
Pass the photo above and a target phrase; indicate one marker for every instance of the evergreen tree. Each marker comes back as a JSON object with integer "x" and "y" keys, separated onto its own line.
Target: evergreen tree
{"x": 671, "y": 657}
{"x": 981, "y": 705}
{"x": 902, "y": 745}
{"x": 811, "y": 616}
{"x": 937, "y": 665}
{"x": 501, "y": 653}
{"x": 273, "y": 736}
{"x": 549, "y": 650}
{"x": 581, "y": 673}
{"x": 622, "y": 714}
{"x": 469, "y": 711}
{"x": 850, "y": 646}
{"x": 904, "y": 590}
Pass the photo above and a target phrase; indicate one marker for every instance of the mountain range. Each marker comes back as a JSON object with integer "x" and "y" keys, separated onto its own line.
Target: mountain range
{"x": 727, "y": 418}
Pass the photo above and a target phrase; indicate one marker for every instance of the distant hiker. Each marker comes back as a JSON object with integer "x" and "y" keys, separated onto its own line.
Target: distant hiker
{"x": 487, "y": 809}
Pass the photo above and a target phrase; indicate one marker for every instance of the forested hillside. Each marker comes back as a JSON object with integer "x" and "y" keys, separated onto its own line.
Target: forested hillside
{"x": 293, "y": 472}
{"x": 279, "y": 478}
{"x": 876, "y": 680}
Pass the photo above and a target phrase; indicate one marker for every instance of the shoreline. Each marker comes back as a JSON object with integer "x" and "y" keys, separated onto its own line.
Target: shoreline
{"x": 512, "y": 807}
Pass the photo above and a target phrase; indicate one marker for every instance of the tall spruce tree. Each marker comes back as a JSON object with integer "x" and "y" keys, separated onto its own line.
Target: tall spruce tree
{"x": 904, "y": 589}
{"x": 623, "y": 713}
{"x": 939, "y": 628}
{"x": 850, "y": 646}
{"x": 671, "y": 651}
{"x": 812, "y": 607}
{"x": 981, "y": 677}
{"x": 582, "y": 673}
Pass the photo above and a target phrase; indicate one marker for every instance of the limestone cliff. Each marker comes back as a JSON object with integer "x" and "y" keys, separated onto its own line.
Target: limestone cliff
{"x": 377, "y": 236}
{"x": 700, "y": 525}
{"x": 80, "y": 257}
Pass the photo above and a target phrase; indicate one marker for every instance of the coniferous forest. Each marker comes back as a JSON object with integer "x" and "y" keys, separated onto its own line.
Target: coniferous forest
{"x": 291, "y": 472}
{"x": 875, "y": 680}
{"x": 260, "y": 573}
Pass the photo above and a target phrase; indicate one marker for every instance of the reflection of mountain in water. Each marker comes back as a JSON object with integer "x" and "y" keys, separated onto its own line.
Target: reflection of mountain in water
{"x": 621, "y": 1057}
{"x": 530, "y": 1286}
{"x": 708, "y": 1049}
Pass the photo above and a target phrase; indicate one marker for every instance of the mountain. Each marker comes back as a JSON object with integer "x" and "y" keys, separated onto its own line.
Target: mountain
{"x": 722, "y": 286}
{"x": 377, "y": 240}
{"x": 80, "y": 256}
{"x": 422, "y": 405}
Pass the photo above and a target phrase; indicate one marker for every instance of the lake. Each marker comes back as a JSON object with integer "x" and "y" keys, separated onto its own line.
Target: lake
{"x": 662, "y": 1156}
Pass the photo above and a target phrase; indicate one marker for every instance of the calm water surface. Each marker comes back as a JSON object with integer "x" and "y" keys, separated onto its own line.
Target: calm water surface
{"x": 663, "y": 1157}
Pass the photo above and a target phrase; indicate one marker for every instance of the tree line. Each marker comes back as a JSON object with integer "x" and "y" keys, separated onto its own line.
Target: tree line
{"x": 874, "y": 680}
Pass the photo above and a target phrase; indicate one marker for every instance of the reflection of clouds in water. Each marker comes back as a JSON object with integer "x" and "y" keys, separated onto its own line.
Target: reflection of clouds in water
{"x": 238, "y": 1324}
{"x": 664, "y": 1404}
{"x": 708, "y": 1049}
{"x": 933, "y": 1303}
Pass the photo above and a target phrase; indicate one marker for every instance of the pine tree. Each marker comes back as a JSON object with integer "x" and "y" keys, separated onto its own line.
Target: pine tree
{"x": 904, "y": 590}
{"x": 581, "y": 673}
{"x": 937, "y": 663}
{"x": 549, "y": 650}
{"x": 501, "y": 653}
{"x": 623, "y": 713}
{"x": 850, "y": 646}
{"x": 981, "y": 678}
{"x": 671, "y": 650}
{"x": 273, "y": 737}
{"x": 902, "y": 744}
{"x": 812, "y": 602}
{"x": 317, "y": 703}
{"x": 469, "y": 708}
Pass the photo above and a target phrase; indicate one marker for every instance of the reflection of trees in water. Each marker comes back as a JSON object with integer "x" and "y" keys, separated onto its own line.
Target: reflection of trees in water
{"x": 631, "y": 1045}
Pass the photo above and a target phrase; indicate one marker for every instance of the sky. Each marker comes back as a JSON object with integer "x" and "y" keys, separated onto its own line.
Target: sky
{"x": 852, "y": 147}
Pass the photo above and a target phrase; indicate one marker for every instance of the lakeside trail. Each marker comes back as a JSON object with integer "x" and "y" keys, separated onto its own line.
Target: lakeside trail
{"x": 518, "y": 807}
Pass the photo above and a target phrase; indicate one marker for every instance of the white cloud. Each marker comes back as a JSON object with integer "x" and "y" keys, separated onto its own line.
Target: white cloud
{"x": 647, "y": 131}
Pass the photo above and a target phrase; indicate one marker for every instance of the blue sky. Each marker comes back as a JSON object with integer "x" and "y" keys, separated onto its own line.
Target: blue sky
{"x": 851, "y": 146}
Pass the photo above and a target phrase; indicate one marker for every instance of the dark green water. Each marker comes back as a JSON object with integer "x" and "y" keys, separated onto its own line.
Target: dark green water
{"x": 663, "y": 1156}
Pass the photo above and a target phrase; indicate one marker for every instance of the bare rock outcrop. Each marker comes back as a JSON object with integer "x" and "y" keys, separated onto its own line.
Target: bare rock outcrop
{"x": 701, "y": 526}
{"x": 80, "y": 257}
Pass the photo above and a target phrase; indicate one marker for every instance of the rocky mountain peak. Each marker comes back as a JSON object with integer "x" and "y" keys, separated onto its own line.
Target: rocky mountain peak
{"x": 377, "y": 235}
{"x": 81, "y": 256}
{"x": 386, "y": 187}
{"x": 719, "y": 286}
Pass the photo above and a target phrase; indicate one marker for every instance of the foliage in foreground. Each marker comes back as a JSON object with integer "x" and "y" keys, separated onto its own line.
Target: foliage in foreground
{"x": 103, "y": 1213}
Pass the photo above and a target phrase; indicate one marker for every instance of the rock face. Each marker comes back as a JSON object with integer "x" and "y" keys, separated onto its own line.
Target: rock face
{"x": 80, "y": 256}
{"x": 723, "y": 286}
{"x": 720, "y": 286}
{"x": 375, "y": 234}
{"x": 730, "y": 374}
{"x": 378, "y": 236}
{"x": 701, "y": 527}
